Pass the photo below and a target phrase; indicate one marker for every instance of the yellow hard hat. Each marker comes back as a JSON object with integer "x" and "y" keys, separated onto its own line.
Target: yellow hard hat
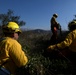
{"x": 11, "y": 27}
{"x": 72, "y": 25}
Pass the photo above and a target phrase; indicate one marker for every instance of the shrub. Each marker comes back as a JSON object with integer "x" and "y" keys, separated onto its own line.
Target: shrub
{"x": 35, "y": 44}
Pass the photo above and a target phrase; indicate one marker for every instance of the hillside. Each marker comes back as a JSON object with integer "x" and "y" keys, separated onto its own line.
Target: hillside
{"x": 35, "y": 43}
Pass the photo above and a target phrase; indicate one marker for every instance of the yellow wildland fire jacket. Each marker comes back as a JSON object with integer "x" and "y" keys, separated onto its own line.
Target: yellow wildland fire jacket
{"x": 70, "y": 42}
{"x": 11, "y": 51}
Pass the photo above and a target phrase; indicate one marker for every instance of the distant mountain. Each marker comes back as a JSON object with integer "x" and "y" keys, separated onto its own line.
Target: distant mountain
{"x": 47, "y": 32}
{"x": 43, "y": 31}
{"x": 38, "y": 31}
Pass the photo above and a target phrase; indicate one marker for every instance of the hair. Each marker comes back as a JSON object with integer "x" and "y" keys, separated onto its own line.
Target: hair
{"x": 55, "y": 15}
{"x": 6, "y": 34}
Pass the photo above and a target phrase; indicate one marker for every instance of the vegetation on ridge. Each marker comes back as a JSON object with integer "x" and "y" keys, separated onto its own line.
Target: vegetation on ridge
{"x": 40, "y": 63}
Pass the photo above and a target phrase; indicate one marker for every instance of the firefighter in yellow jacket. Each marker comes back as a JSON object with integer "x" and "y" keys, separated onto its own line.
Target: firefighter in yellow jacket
{"x": 69, "y": 42}
{"x": 11, "y": 52}
{"x": 54, "y": 28}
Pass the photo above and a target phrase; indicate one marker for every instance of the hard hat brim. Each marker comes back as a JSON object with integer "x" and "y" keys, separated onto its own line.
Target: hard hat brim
{"x": 18, "y": 30}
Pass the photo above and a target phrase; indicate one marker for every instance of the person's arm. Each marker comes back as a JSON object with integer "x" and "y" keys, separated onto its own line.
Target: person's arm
{"x": 17, "y": 55}
{"x": 68, "y": 40}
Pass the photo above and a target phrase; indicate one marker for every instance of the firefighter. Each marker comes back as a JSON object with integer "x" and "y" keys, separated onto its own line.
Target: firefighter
{"x": 11, "y": 53}
{"x": 54, "y": 28}
{"x": 69, "y": 43}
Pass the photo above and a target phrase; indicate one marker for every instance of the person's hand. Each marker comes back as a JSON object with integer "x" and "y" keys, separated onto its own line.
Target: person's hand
{"x": 55, "y": 28}
{"x": 49, "y": 49}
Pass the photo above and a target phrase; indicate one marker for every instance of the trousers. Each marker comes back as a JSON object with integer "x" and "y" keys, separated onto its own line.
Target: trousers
{"x": 3, "y": 71}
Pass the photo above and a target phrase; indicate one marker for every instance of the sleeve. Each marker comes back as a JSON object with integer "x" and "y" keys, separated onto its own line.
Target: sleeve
{"x": 66, "y": 43}
{"x": 17, "y": 55}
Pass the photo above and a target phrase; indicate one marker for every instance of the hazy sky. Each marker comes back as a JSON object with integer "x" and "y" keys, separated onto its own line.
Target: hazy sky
{"x": 37, "y": 13}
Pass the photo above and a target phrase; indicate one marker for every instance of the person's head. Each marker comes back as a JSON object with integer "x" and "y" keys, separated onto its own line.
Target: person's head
{"x": 72, "y": 25}
{"x": 11, "y": 29}
{"x": 55, "y": 15}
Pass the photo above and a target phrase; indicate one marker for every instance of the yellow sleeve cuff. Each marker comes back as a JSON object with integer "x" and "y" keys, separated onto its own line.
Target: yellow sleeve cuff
{"x": 52, "y": 47}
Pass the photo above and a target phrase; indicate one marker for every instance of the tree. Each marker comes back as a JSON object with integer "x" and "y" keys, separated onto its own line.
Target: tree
{"x": 74, "y": 18}
{"x": 9, "y": 16}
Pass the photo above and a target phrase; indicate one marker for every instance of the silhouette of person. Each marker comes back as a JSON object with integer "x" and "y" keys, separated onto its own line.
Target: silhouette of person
{"x": 54, "y": 28}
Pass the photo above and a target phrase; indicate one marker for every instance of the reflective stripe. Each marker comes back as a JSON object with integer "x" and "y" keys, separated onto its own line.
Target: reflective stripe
{"x": 4, "y": 70}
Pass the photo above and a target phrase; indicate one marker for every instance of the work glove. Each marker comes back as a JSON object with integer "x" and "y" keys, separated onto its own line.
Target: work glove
{"x": 51, "y": 48}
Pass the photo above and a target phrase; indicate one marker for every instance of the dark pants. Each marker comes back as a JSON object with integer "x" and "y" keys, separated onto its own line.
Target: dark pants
{"x": 4, "y": 71}
{"x": 54, "y": 37}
